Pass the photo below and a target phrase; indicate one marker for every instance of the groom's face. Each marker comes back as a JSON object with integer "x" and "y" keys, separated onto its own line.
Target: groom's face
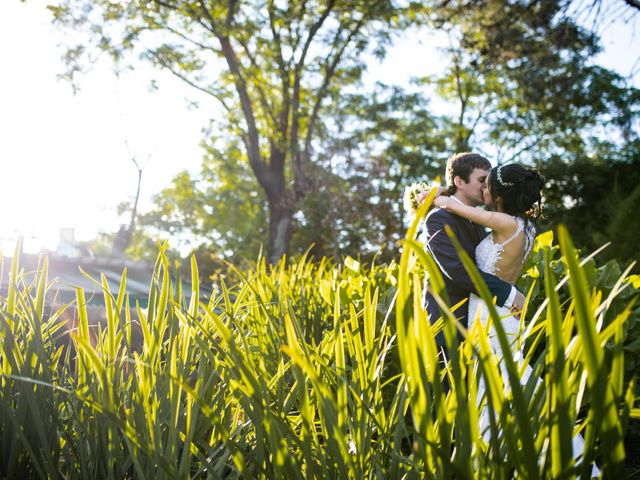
{"x": 474, "y": 188}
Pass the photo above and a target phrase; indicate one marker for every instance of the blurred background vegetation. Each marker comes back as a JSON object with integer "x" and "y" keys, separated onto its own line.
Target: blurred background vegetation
{"x": 311, "y": 150}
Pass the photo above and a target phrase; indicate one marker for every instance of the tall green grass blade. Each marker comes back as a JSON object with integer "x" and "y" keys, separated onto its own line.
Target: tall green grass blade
{"x": 122, "y": 291}
{"x": 205, "y": 388}
{"x": 603, "y": 401}
{"x": 559, "y": 401}
{"x": 41, "y": 289}
{"x": 195, "y": 288}
{"x": 12, "y": 292}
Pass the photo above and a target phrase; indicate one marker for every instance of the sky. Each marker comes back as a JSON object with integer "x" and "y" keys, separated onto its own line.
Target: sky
{"x": 66, "y": 160}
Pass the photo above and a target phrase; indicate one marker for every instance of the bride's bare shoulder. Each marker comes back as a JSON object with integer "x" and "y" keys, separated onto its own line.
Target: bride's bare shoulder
{"x": 505, "y": 226}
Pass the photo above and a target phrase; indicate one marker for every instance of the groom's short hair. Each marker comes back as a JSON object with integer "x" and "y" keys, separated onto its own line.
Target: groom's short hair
{"x": 461, "y": 165}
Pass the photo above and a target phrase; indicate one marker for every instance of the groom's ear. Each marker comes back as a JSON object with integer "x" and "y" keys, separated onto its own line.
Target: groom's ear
{"x": 458, "y": 181}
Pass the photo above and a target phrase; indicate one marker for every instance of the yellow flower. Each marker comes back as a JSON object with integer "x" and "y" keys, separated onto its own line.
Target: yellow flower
{"x": 634, "y": 280}
{"x": 544, "y": 240}
{"x": 533, "y": 272}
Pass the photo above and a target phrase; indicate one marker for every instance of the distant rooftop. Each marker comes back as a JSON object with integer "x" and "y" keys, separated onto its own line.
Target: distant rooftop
{"x": 73, "y": 265}
{"x": 67, "y": 272}
{"x": 66, "y": 267}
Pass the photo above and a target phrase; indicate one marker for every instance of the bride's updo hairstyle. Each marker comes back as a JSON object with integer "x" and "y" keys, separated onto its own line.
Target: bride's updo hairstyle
{"x": 520, "y": 189}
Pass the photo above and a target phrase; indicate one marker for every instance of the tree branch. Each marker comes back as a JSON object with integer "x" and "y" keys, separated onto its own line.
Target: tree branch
{"x": 329, "y": 73}
{"x": 295, "y": 115}
{"x": 257, "y": 85}
{"x": 312, "y": 33}
{"x": 474, "y": 125}
{"x": 192, "y": 41}
{"x": 296, "y": 40}
{"x": 194, "y": 15}
{"x": 187, "y": 80}
{"x": 209, "y": 92}
{"x": 536, "y": 141}
{"x": 284, "y": 75}
{"x": 231, "y": 12}
{"x": 462, "y": 97}
{"x": 253, "y": 138}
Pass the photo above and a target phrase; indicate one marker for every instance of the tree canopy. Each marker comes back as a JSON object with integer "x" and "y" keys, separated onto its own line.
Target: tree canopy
{"x": 304, "y": 152}
{"x": 274, "y": 67}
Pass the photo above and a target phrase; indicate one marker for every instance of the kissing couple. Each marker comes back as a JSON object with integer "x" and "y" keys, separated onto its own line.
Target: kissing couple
{"x": 512, "y": 197}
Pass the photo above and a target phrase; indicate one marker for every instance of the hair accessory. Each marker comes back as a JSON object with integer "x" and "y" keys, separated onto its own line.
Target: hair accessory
{"x": 502, "y": 182}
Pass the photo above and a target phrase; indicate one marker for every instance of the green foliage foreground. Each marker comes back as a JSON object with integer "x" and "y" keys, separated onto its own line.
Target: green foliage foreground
{"x": 308, "y": 370}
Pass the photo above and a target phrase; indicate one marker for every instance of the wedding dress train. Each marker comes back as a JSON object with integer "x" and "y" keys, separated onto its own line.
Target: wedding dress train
{"x": 487, "y": 254}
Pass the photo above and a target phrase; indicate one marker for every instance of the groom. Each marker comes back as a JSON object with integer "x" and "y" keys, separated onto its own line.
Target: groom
{"x": 466, "y": 175}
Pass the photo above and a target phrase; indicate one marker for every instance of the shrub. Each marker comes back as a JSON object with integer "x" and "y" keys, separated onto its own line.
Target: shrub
{"x": 310, "y": 370}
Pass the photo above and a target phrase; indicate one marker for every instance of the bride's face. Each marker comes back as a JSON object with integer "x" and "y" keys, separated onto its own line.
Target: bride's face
{"x": 486, "y": 195}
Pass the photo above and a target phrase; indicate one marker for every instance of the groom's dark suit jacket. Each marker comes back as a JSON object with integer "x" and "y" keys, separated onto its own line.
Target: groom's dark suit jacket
{"x": 457, "y": 282}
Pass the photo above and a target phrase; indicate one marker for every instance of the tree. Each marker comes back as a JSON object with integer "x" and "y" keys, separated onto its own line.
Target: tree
{"x": 596, "y": 196}
{"x": 274, "y": 67}
{"x": 124, "y": 236}
{"x": 219, "y": 213}
{"x": 524, "y": 81}
{"x": 374, "y": 144}
{"x": 378, "y": 141}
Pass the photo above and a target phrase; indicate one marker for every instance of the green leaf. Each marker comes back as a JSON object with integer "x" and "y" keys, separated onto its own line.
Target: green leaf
{"x": 603, "y": 402}
{"x": 352, "y": 264}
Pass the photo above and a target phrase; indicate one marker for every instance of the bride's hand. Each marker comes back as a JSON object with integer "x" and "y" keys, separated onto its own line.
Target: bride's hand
{"x": 441, "y": 191}
{"x": 441, "y": 201}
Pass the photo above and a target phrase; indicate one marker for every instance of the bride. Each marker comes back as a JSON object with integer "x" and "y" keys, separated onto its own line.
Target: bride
{"x": 512, "y": 197}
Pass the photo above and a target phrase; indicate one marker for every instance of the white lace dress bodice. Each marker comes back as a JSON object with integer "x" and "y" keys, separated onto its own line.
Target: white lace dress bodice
{"x": 488, "y": 253}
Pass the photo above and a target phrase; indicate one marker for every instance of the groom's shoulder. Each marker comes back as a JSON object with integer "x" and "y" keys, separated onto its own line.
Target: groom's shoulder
{"x": 437, "y": 219}
{"x": 441, "y": 215}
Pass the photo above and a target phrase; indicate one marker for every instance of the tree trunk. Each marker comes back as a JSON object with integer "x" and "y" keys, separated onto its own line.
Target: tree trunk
{"x": 280, "y": 229}
{"x": 124, "y": 236}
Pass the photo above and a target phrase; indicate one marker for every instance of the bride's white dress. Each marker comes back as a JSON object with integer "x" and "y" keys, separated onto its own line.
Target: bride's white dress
{"x": 487, "y": 254}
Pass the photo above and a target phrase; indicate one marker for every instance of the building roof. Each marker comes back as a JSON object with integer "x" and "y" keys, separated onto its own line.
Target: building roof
{"x": 66, "y": 273}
